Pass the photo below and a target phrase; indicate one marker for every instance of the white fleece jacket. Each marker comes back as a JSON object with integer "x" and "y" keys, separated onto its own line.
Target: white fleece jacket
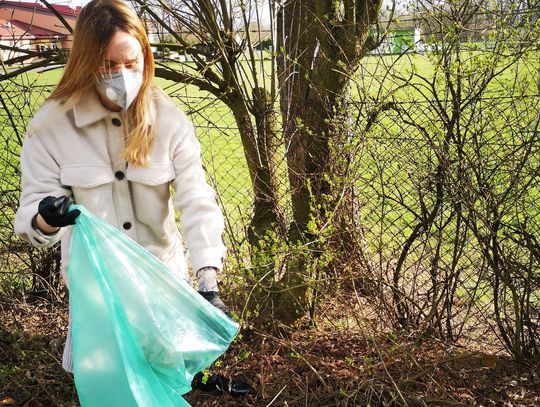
{"x": 78, "y": 153}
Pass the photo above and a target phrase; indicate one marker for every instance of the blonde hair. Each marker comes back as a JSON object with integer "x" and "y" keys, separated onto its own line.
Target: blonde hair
{"x": 96, "y": 25}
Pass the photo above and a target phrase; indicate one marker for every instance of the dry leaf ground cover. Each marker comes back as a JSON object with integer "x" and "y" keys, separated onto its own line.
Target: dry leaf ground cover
{"x": 301, "y": 366}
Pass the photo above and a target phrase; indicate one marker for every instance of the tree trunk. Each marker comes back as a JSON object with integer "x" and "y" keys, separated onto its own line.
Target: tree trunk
{"x": 320, "y": 45}
{"x": 260, "y": 149}
{"x": 267, "y": 215}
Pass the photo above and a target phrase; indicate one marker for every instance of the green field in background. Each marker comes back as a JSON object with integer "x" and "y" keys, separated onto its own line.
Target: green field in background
{"x": 222, "y": 149}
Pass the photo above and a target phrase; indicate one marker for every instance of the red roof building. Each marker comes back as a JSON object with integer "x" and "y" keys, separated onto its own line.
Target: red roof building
{"x": 10, "y": 31}
{"x": 37, "y": 21}
{"x": 35, "y": 31}
{"x": 13, "y": 36}
{"x": 39, "y": 7}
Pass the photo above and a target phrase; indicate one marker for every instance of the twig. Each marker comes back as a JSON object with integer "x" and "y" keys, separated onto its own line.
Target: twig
{"x": 276, "y": 396}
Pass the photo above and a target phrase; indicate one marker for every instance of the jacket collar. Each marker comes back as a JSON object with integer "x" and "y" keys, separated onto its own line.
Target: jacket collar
{"x": 90, "y": 110}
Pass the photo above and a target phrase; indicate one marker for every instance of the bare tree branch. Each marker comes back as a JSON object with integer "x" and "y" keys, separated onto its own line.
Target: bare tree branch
{"x": 58, "y": 15}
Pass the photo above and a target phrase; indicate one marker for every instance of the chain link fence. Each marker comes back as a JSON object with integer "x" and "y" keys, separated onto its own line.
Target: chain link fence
{"x": 448, "y": 212}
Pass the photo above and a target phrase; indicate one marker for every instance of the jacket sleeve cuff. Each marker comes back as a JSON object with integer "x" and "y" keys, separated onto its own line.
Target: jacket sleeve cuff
{"x": 40, "y": 239}
{"x": 210, "y": 257}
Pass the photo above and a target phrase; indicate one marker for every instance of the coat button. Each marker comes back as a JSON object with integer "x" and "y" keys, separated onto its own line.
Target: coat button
{"x": 119, "y": 175}
{"x": 116, "y": 122}
{"x": 127, "y": 225}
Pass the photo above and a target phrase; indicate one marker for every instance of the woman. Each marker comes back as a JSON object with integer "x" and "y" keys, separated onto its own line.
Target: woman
{"x": 110, "y": 140}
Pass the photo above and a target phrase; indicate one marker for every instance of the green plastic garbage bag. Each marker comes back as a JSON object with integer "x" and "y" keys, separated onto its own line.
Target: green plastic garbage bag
{"x": 140, "y": 332}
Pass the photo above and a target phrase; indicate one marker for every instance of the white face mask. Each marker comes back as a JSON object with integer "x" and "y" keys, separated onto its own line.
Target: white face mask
{"x": 121, "y": 87}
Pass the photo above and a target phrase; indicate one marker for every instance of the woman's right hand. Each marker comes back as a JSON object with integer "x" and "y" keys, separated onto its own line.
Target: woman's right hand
{"x": 54, "y": 212}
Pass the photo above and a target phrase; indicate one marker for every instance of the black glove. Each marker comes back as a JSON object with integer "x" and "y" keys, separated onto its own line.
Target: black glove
{"x": 213, "y": 298}
{"x": 217, "y": 383}
{"x": 54, "y": 211}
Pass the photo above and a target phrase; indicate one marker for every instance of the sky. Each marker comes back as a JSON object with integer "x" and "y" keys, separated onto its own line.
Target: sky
{"x": 82, "y": 2}
{"x": 264, "y": 13}
{"x": 66, "y": 3}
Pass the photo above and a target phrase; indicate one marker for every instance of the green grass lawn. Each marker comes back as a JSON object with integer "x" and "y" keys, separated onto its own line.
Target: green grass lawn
{"x": 395, "y": 149}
